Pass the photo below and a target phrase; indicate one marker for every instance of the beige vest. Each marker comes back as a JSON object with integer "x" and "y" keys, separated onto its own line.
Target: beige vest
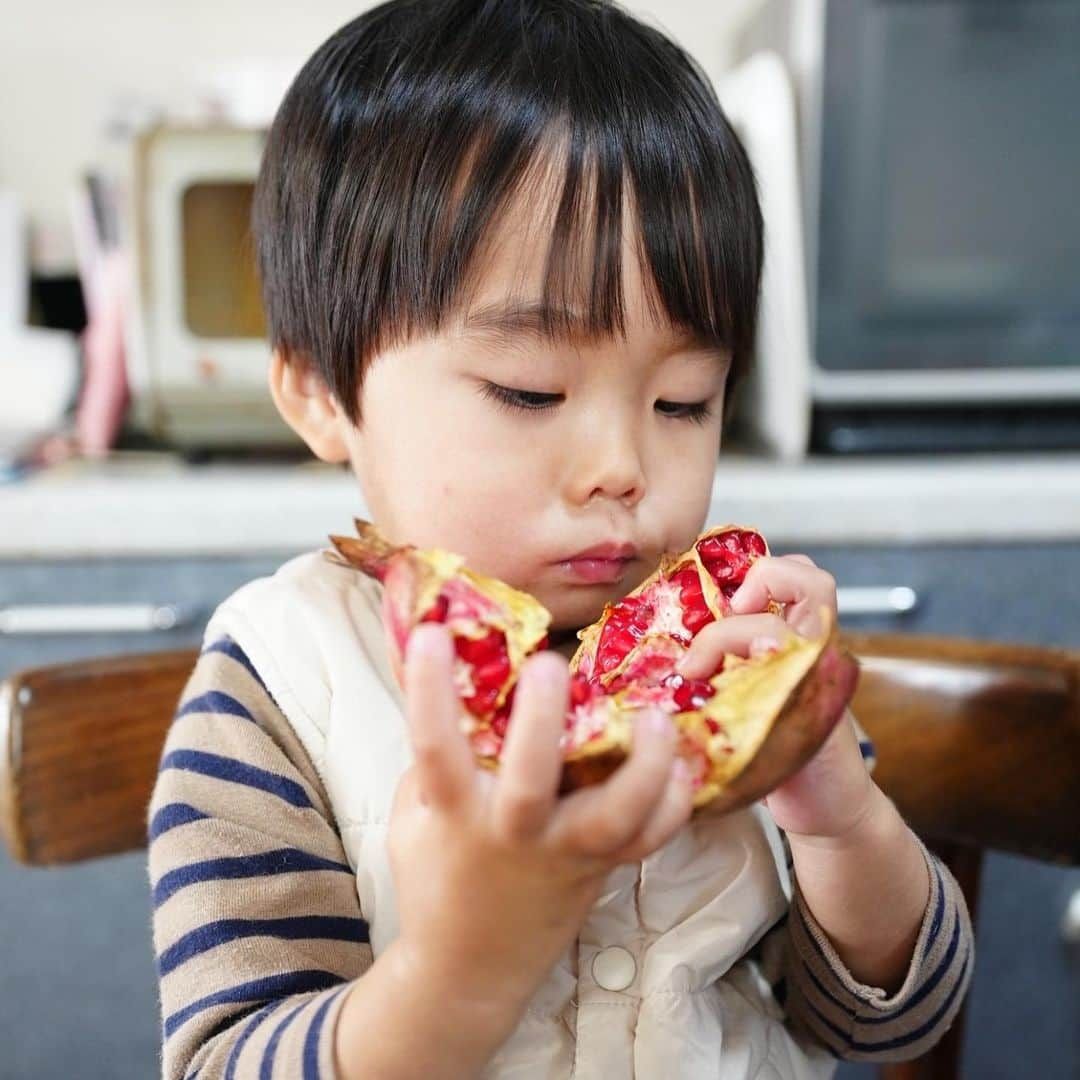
{"x": 655, "y": 986}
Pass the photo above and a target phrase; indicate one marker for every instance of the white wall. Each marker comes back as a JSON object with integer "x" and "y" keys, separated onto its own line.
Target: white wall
{"x": 65, "y": 63}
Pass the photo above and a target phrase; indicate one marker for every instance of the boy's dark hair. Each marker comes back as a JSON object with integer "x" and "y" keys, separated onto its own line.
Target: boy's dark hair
{"x": 403, "y": 137}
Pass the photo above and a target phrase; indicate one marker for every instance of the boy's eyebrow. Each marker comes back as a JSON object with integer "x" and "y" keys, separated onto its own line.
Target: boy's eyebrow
{"x": 508, "y": 321}
{"x": 521, "y": 319}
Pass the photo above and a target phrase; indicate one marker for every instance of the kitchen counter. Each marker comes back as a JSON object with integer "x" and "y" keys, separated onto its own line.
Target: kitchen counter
{"x": 150, "y": 504}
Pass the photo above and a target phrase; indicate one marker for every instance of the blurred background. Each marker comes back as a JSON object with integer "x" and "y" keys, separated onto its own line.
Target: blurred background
{"x": 913, "y": 423}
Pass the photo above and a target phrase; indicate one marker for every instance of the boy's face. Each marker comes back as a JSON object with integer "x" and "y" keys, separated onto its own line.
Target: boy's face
{"x": 519, "y": 493}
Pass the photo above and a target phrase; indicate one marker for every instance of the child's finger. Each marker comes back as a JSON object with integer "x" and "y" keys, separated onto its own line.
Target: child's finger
{"x": 601, "y": 819}
{"x": 741, "y": 634}
{"x": 531, "y": 760}
{"x": 790, "y": 582}
{"x": 670, "y": 815}
{"x": 443, "y": 761}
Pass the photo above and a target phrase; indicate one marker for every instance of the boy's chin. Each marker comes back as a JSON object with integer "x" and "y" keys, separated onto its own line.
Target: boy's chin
{"x": 571, "y": 613}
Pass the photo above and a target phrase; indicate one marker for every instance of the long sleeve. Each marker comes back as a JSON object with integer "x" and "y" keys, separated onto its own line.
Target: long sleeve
{"x": 256, "y": 922}
{"x": 862, "y": 1023}
{"x": 857, "y": 1022}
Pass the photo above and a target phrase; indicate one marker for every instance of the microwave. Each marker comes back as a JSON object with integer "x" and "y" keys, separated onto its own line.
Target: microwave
{"x": 921, "y": 162}
{"x": 196, "y": 334}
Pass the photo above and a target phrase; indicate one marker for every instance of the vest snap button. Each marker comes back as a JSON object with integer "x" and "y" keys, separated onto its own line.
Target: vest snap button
{"x": 613, "y": 968}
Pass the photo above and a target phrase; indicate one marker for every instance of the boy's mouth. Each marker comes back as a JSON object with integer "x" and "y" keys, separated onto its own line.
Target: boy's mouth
{"x": 601, "y": 564}
{"x": 596, "y": 571}
{"x": 609, "y": 552}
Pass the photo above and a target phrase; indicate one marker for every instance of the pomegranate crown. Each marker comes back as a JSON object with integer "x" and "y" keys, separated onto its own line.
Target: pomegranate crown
{"x": 369, "y": 550}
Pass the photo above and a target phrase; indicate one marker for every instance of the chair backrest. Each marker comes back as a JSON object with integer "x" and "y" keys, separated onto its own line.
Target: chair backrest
{"x": 978, "y": 744}
{"x": 79, "y": 750}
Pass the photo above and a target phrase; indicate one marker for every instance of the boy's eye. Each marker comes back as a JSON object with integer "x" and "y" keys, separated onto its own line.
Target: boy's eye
{"x": 696, "y": 411}
{"x": 528, "y": 400}
{"x": 534, "y": 401}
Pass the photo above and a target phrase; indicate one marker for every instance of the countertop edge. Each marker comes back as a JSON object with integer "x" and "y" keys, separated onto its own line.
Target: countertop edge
{"x": 235, "y": 510}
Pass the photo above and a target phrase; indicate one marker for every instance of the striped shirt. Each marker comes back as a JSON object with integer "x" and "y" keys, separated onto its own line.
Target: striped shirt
{"x": 258, "y": 930}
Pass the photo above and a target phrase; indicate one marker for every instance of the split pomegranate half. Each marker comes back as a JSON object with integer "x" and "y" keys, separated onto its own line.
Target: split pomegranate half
{"x": 742, "y": 731}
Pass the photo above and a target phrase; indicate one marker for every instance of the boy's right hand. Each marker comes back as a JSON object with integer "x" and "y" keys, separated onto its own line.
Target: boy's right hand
{"x": 494, "y": 871}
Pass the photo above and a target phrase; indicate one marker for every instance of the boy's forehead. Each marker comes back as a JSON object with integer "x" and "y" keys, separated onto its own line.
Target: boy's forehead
{"x": 506, "y": 297}
{"x": 504, "y": 301}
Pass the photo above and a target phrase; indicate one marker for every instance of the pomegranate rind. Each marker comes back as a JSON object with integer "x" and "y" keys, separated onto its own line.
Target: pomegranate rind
{"x": 753, "y": 695}
{"x": 808, "y": 719}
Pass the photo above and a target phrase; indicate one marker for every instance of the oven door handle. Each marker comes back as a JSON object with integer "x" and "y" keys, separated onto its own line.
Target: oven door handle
{"x": 876, "y": 600}
{"x": 93, "y": 618}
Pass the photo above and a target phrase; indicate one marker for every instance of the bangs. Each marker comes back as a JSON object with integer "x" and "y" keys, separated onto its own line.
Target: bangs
{"x": 614, "y": 135}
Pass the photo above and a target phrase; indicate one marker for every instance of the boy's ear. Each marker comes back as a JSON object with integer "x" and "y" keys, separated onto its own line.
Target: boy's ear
{"x": 308, "y": 407}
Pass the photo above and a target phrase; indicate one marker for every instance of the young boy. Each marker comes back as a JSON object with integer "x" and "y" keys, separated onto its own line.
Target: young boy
{"x": 510, "y": 254}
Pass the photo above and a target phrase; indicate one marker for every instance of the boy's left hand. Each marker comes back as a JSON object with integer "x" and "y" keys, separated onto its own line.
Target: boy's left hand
{"x": 832, "y": 793}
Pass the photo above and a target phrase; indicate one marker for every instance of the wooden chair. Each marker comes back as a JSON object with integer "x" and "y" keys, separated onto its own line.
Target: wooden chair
{"x": 978, "y": 744}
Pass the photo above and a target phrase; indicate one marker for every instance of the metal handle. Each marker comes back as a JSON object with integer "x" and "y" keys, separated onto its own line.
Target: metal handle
{"x": 91, "y": 618}
{"x": 877, "y": 600}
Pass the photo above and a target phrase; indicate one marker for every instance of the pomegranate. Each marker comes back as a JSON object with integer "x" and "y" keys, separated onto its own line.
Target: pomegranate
{"x": 742, "y": 731}
{"x": 494, "y": 626}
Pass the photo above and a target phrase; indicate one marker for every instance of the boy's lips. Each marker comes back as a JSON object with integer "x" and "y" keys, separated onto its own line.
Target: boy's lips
{"x": 610, "y": 551}
{"x": 600, "y": 564}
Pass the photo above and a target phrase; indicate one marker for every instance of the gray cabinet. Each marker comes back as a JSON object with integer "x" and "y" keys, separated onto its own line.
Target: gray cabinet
{"x": 76, "y": 962}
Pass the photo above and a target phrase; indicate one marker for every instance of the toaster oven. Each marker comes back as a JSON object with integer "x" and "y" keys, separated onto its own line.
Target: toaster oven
{"x": 196, "y": 339}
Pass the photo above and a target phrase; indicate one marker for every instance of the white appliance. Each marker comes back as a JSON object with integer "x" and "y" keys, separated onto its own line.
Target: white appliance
{"x": 39, "y": 368}
{"x": 775, "y": 408}
{"x": 196, "y": 338}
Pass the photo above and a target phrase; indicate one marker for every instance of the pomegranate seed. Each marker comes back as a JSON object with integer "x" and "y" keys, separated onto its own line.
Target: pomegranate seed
{"x": 755, "y": 542}
{"x": 695, "y": 612}
{"x": 483, "y": 650}
{"x": 437, "y": 614}
{"x": 580, "y": 691}
{"x": 499, "y": 723}
{"x": 482, "y": 702}
{"x": 728, "y": 557}
{"x": 628, "y": 622}
{"x": 694, "y": 618}
{"x": 689, "y": 693}
{"x": 492, "y": 673}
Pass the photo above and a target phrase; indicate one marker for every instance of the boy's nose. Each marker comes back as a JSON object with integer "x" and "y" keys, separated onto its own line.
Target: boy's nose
{"x": 610, "y": 466}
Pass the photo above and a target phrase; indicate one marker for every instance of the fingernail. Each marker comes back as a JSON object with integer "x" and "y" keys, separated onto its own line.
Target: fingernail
{"x": 428, "y": 641}
{"x": 763, "y": 644}
{"x": 658, "y": 721}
